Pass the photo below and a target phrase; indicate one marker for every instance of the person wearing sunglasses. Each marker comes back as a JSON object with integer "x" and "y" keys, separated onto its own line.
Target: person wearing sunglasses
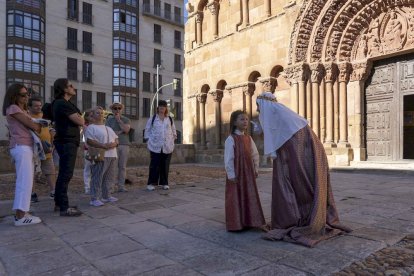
{"x": 68, "y": 120}
{"x": 20, "y": 124}
{"x": 121, "y": 125}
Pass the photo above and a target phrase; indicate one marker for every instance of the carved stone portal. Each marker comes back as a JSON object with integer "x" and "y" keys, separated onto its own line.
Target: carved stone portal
{"x": 390, "y": 32}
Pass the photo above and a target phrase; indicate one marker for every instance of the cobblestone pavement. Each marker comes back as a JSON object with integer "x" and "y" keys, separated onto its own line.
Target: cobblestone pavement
{"x": 181, "y": 232}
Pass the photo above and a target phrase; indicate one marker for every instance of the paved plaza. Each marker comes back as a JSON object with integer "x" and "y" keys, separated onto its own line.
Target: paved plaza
{"x": 182, "y": 232}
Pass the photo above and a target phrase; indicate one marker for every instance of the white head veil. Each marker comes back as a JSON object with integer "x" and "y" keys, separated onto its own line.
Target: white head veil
{"x": 278, "y": 122}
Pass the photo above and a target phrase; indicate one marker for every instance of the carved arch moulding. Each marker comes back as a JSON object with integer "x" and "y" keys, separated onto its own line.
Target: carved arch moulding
{"x": 355, "y": 31}
{"x": 327, "y": 30}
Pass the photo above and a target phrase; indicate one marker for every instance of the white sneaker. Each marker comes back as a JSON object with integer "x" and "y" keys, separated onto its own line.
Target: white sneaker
{"x": 165, "y": 187}
{"x": 96, "y": 203}
{"x": 150, "y": 187}
{"x": 109, "y": 199}
{"x": 27, "y": 220}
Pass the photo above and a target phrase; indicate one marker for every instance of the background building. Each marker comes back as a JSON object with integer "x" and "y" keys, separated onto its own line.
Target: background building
{"x": 347, "y": 68}
{"x": 161, "y": 45}
{"x": 109, "y": 50}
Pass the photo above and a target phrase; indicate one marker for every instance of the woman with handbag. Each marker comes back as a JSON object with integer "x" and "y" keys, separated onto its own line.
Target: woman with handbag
{"x": 21, "y": 149}
{"x": 102, "y": 142}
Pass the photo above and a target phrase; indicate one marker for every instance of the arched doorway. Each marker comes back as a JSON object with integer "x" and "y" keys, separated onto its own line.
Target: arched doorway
{"x": 389, "y": 109}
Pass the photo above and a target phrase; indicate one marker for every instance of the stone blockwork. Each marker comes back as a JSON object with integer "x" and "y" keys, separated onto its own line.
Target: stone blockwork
{"x": 138, "y": 156}
{"x": 318, "y": 54}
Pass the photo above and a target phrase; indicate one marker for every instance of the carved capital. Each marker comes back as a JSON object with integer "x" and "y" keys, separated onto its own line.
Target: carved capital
{"x": 217, "y": 95}
{"x": 345, "y": 70}
{"x": 269, "y": 82}
{"x": 361, "y": 71}
{"x": 296, "y": 73}
{"x": 199, "y": 17}
{"x": 202, "y": 97}
{"x": 213, "y": 7}
{"x": 317, "y": 72}
{"x": 331, "y": 72}
{"x": 249, "y": 88}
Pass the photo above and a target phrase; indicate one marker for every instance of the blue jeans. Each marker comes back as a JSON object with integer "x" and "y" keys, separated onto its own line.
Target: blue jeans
{"x": 67, "y": 158}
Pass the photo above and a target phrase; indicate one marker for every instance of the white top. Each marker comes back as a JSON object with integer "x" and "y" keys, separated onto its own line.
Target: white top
{"x": 278, "y": 122}
{"x": 160, "y": 134}
{"x": 229, "y": 155}
{"x": 99, "y": 133}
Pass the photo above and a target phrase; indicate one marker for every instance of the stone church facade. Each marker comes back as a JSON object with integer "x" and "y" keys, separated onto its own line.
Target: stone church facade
{"x": 347, "y": 66}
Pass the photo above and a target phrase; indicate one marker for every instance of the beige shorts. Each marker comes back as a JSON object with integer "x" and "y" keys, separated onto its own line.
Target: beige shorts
{"x": 48, "y": 167}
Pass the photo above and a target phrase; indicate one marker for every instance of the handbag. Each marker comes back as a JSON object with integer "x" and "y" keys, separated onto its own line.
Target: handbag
{"x": 94, "y": 154}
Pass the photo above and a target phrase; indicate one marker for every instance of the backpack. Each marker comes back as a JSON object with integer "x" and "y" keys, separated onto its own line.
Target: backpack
{"x": 153, "y": 119}
{"x": 152, "y": 123}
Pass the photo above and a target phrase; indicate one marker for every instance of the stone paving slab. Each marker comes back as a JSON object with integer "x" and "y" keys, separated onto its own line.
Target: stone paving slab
{"x": 182, "y": 232}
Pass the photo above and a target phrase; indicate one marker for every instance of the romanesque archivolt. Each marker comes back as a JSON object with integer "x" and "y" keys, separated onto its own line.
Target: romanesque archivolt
{"x": 390, "y": 32}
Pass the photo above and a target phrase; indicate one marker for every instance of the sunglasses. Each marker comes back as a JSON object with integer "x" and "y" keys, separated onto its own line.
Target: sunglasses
{"x": 117, "y": 108}
{"x": 24, "y": 95}
{"x": 70, "y": 85}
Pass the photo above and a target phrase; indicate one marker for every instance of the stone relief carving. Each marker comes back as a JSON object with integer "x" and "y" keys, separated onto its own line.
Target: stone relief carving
{"x": 296, "y": 73}
{"x": 331, "y": 72}
{"x": 317, "y": 72}
{"x": 345, "y": 70}
{"x": 361, "y": 71}
{"x": 213, "y": 7}
{"x": 202, "y": 97}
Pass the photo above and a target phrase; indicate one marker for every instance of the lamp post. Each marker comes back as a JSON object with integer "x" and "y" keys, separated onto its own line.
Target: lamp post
{"x": 158, "y": 80}
{"x": 173, "y": 83}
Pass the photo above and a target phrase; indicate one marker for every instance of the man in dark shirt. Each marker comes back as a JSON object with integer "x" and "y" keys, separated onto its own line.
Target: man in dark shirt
{"x": 68, "y": 121}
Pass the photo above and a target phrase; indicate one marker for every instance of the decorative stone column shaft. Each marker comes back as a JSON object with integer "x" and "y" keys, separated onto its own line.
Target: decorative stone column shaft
{"x": 199, "y": 22}
{"x": 331, "y": 72}
{"x": 268, "y": 8}
{"x": 248, "y": 91}
{"x": 317, "y": 73}
{"x": 213, "y": 7}
{"x": 345, "y": 70}
{"x": 202, "y": 98}
{"x": 245, "y": 4}
{"x": 217, "y": 97}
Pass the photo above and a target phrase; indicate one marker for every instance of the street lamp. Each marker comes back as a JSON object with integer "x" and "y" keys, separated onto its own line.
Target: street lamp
{"x": 174, "y": 83}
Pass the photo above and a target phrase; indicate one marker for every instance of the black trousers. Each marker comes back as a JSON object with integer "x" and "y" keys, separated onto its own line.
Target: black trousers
{"x": 67, "y": 158}
{"x": 159, "y": 168}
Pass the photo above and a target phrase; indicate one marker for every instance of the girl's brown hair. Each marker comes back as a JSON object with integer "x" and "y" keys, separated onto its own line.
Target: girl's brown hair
{"x": 166, "y": 111}
{"x": 233, "y": 117}
{"x": 12, "y": 95}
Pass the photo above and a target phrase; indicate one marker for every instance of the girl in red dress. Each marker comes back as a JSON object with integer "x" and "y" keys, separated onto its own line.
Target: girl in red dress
{"x": 241, "y": 158}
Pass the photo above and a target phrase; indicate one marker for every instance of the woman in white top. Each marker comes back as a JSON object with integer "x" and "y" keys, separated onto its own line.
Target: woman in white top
{"x": 100, "y": 136}
{"x": 161, "y": 133}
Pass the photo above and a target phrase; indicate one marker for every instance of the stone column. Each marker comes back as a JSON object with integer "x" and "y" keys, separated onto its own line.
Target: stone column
{"x": 199, "y": 22}
{"x": 360, "y": 73}
{"x": 345, "y": 70}
{"x": 322, "y": 110}
{"x": 202, "y": 98}
{"x": 213, "y": 7}
{"x": 330, "y": 78}
{"x": 336, "y": 110}
{"x": 245, "y": 13}
{"x": 309, "y": 101}
{"x": 248, "y": 91}
{"x": 217, "y": 97}
{"x": 316, "y": 77}
{"x": 268, "y": 8}
{"x": 297, "y": 76}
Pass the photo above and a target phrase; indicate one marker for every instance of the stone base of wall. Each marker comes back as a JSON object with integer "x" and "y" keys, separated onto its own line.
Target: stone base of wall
{"x": 138, "y": 156}
{"x": 339, "y": 156}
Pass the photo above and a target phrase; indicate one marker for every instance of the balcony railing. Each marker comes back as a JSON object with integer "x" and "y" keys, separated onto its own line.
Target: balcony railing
{"x": 73, "y": 14}
{"x": 72, "y": 74}
{"x": 87, "y": 48}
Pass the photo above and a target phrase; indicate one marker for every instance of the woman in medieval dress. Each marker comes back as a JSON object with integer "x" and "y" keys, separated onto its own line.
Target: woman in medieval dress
{"x": 303, "y": 207}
